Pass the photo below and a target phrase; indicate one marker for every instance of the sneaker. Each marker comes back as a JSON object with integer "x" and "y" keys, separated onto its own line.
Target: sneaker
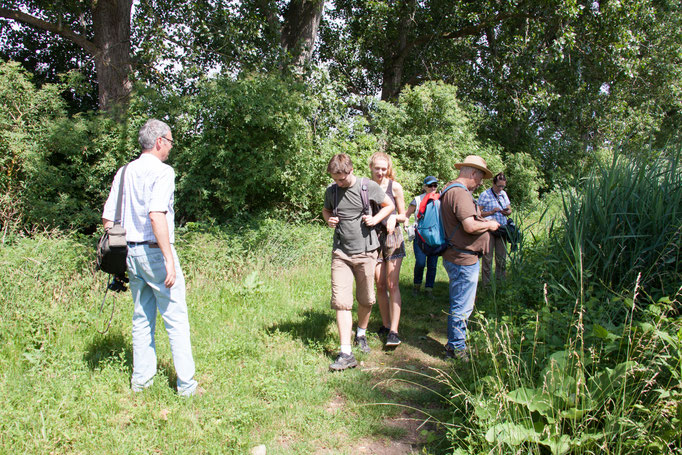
{"x": 343, "y": 361}
{"x": 428, "y": 292}
{"x": 415, "y": 290}
{"x": 457, "y": 354}
{"x": 361, "y": 341}
{"x": 392, "y": 339}
{"x": 383, "y": 331}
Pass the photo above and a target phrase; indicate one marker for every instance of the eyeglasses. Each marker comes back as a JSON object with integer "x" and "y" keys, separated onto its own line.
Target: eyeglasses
{"x": 169, "y": 140}
{"x": 433, "y": 185}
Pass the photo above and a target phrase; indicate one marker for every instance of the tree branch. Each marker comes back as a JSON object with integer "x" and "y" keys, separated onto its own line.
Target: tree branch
{"x": 471, "y": 30}
{"x": 87, "y": 45}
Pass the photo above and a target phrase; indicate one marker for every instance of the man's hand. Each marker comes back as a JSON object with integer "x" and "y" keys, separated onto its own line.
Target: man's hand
{"x": 369, "y": 220}
{"x": 493, "y": 225}
{"x": 170, "y": 274}
{"x": 333, "y": 221}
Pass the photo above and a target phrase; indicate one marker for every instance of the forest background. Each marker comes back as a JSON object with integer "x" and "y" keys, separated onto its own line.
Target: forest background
{"x": 579, "y": 103}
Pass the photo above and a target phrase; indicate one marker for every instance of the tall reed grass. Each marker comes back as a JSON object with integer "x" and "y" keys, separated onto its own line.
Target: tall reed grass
{"x": 625, "y": 218}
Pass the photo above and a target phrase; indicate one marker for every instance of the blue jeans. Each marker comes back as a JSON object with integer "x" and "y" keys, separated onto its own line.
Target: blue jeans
{"x": 421, "y": 260}
{"x": 463, "y": 282}
{"x": 147, "y": 273}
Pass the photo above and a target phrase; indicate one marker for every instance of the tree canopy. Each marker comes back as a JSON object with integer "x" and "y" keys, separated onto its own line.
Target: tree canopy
{"x": 547, "y": 86}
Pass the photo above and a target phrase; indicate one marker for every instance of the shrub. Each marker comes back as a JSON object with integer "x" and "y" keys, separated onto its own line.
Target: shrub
{"x": 253, "y": 151}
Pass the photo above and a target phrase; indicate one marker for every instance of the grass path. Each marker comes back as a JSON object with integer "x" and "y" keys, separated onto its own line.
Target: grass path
{"x": 263, "y": 338}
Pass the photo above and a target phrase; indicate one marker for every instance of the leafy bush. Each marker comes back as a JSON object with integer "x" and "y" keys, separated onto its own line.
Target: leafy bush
{"x": 430, "y": 129}
{"x": 25, "y": 121}
{"x": 69, "y": 179}
{"x": 253, "y": 151}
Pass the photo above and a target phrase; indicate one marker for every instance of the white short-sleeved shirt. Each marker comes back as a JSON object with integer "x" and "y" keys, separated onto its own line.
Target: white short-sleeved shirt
{"x": 149, "y": 186}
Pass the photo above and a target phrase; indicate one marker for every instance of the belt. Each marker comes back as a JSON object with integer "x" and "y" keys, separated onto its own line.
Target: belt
{"x": 150, "y": 244}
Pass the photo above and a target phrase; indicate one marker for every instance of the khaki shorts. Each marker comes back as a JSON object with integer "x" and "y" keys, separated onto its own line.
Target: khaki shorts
{"x": 345, "y": 269}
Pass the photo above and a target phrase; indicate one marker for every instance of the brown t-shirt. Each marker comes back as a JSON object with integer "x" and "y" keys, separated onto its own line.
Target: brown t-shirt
{"x": 457, "y": 205}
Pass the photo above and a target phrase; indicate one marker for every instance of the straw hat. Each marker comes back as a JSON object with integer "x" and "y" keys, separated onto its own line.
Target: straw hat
{"x": 477, "y": 163}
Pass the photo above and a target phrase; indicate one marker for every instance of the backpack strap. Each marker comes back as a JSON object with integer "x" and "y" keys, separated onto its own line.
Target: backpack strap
{"x": 119, "y": 202}
{"x": 335, "y": 199}
{"x": 449, "y": 237}
{"x": 364, "y": 195}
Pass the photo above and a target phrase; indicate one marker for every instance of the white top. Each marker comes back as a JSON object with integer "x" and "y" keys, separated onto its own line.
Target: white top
{"x": 149, "y": 186}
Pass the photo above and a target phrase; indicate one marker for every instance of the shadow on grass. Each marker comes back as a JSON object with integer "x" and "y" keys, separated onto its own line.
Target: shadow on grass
{"x": 109, "y": 348}
{"x": 312, "y": 329}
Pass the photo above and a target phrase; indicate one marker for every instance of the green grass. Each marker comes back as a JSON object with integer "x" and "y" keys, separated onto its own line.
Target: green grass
{"x": 263, "y": 336}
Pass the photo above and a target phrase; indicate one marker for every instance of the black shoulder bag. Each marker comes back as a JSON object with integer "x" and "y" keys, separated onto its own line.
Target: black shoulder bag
{"x": 112, "y": 248}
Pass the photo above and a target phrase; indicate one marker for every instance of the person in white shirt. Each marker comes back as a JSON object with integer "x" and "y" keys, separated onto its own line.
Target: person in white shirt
{"x": 156, "y": 279}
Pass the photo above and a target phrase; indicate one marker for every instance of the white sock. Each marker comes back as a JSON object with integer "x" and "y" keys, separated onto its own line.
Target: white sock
{"x": 345, "y": 349}
{"x": 360, "y": 332}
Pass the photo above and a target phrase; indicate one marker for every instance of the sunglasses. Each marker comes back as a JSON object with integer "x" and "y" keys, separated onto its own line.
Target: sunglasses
{"x": 433, "y": 185}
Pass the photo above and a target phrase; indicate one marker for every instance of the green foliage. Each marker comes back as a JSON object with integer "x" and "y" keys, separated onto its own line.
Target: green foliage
{"x": 625, "y": 220}
{"x": 429, "y": 129}
{"x": 254, "y": 151}
{"x": 613, "y": 390}
{"x": 69, "y": 178}
{"x": 25, "y": 123}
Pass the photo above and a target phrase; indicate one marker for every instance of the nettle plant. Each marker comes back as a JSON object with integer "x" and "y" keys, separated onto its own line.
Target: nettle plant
{"x": 615, "y": 390}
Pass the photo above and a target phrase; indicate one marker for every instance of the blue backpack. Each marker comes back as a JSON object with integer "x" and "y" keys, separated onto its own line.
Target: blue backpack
{"x": 430, "y": 234}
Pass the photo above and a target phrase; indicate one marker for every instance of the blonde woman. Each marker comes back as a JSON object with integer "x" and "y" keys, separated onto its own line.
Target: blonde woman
{"x": 391, "y": 250}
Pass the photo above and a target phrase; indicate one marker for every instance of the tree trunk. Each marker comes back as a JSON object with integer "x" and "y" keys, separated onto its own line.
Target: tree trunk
{"x": 110, "y": 46}
{"x": 111, "y": 24}
{"x": 299, "y": 32}
{"x": 394, "y": 60}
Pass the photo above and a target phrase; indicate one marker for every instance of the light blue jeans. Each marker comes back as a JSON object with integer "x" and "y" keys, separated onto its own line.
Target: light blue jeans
{"x": 147, "y": 273}
{"x": 421, "y": 260}
{"x": 463, "y": 282}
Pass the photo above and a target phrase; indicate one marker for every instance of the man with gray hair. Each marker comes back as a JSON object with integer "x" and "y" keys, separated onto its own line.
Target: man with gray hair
{"x": 156, "y": 279}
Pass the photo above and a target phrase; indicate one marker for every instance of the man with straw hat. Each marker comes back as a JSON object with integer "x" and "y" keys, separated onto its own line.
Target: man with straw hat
{"x": 469, "y": 238}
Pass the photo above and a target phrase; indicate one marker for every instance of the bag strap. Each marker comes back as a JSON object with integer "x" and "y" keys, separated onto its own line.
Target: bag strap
{"x": 364, "y": 195}
{"x": 119, "y": 202}
{"x": 335, "y": 196}
{"x": 449, "y": 237}
{"x": 500, "y": 204}
{"x": 497, "y": 197}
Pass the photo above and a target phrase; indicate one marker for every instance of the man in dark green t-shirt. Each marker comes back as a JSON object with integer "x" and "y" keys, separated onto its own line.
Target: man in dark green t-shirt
{"x": 354, "y": 253}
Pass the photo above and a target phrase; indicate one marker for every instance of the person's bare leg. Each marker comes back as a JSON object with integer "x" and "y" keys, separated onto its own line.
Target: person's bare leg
{"x": 344, "y": 321}
{"x": 395, "y": 299}
{"x": 382, "y": 297}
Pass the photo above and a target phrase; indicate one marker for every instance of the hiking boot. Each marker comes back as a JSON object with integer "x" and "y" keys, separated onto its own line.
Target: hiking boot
{"x": 361, "y": 341}
{"x": 383, "y": 331}
{"x": 343, "y": 361}
{"x": 392, "y": 339}
{"x": 457, "y": 354}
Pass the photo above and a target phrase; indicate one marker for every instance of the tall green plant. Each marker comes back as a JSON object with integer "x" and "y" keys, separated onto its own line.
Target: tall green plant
{"x": 625, "y": 219}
